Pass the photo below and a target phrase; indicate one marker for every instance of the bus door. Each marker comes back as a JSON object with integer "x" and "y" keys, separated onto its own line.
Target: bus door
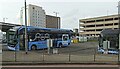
{"x": 65, "y": 38}
{"x": 22, "y": 42}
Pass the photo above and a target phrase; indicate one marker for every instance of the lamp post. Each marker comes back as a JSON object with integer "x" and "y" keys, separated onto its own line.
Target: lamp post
{"x": 4, "y": 19}
{"x": 21, "y": 16}
{"x": 119, "y": 31}
{"x": 56, "y": 13}
{"x": 26, "y": 42}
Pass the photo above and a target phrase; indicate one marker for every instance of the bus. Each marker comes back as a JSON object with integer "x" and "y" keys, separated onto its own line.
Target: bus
{"x": 37, "y": 37}
{"x": 109, "y": 41}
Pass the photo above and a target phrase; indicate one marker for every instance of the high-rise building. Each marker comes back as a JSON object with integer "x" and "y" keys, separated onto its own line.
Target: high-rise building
{"x": 35, "y": 16}
{"x": 52, "y": 21}
{"x": 94, "y": 26}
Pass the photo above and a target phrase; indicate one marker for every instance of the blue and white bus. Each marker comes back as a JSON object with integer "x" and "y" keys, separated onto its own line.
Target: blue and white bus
{"x": 37, "y": 38}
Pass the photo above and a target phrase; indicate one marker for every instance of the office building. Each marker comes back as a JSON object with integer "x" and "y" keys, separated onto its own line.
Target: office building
{"x": 52, "y": 21}
{"x": 35, "y": 16}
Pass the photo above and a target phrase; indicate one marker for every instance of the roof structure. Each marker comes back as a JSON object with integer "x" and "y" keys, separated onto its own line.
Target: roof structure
{"x": 6, "y": 26}
{"x": 110, "y": 32}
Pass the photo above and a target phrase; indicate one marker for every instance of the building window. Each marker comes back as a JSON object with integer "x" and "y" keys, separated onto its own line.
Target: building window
{"x": 90, "y": 26}
{"x": 99, "y": 20}
{"x": 90, "y": 21}
{"x": 33, "y": 8}
{"x": 108, "y": 24}
{"x": 99, "y": 29}
{"x": 115, "y": 18}
{"x": 100, "y": 25}
{"x": 115, "y": 23}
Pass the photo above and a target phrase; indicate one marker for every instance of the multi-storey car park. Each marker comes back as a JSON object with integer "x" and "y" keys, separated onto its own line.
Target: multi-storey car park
{"x": 91, "y": 27}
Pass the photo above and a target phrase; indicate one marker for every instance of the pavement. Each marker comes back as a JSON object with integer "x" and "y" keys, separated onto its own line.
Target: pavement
{"x": 62, "y": 66}
{"x": 59, "y": 63}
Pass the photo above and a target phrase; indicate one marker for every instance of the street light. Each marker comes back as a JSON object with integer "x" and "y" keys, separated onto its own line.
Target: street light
{"x": 21, "y": 16}
{"x": 119, "y": 29}
{"x": 56, "y": 13}
{"x": 4, "y": 19}
{"x": 26, "y": 42}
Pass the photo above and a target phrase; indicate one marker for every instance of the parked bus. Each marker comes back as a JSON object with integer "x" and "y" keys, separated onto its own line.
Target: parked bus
{"x": 37, "y": 38}
{"x": 109, "y": 41}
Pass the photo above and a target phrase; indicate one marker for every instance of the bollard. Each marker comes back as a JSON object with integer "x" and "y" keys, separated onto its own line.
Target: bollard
{"x": 43, "y": 54}
{"x": 48, "y": 50}
{"x": 69, "y": 54}
{"x": 69, "y": 57}
{"x": 94, "y": 54}
{"x": 15, "y": 56}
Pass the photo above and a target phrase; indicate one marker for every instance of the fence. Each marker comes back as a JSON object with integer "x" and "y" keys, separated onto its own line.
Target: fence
{"x": 71, "y": 54}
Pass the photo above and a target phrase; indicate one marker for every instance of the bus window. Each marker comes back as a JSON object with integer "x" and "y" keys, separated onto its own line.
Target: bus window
{"x": 47, "y": 36}
{"x": 12, "y": 38}
{"x": 37, "y": 37}
{"x": 59, "y": 36}
{"x": 53, "y": 36}
{"x": 42, "y": 37}
{"x": 13, "y": 42}
{"x": 65, "y": 37}
{"x": 31, "y": 37}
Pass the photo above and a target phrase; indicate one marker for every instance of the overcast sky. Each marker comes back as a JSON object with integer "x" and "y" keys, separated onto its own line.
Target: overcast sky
{"x": 70, "y": 11}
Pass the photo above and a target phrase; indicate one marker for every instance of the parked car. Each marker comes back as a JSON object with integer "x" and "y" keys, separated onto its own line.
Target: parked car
{"x": 100, "y": 50}
{"x": 109, "y": 51}
{"x": 112, "y": 51}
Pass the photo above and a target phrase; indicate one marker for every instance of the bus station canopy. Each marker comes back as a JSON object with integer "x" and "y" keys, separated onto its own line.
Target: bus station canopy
{"x": 6, "y": 26}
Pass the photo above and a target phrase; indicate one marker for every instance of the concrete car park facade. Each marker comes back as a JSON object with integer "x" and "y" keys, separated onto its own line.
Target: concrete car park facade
{"x": 93, "y": 26}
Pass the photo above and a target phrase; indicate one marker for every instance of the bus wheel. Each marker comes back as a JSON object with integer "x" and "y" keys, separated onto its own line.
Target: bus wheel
{"x": 33, "y": 47}
{"x": 60, "y": 45}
